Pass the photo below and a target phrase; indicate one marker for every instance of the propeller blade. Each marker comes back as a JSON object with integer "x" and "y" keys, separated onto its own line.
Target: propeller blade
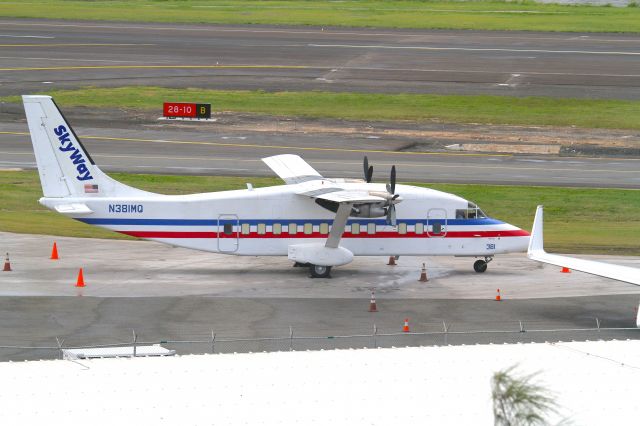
{"x": 391, "y": 215}
{"x": 365, "y": 165}
{"x": 370, "y": 174}
{"x": 393, "y": 180}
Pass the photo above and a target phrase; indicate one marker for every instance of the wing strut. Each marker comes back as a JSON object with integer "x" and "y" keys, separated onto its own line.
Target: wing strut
{"x": 339, "y": 223}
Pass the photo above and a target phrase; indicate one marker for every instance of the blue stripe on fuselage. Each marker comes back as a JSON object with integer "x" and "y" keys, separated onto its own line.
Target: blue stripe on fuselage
{"x": 214, "y": 222}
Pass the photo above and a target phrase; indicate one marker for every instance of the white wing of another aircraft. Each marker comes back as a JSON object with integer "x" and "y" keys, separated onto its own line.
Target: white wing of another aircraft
{"x": 607, "y": 270}
{"x": 291, "y": 168}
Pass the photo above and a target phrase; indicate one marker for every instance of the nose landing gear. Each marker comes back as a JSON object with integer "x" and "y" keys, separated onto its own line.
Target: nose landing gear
{"x": 480, "y": 266}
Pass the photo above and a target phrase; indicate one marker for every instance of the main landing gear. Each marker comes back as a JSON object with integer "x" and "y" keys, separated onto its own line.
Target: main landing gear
{"x": 481, "y": 265}
{"x": 319, "y": 271}
{"x": 316, "y": 271}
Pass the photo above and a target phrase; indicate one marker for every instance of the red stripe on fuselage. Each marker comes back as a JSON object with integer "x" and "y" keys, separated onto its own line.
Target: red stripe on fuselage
{"x": 450, "y": 234}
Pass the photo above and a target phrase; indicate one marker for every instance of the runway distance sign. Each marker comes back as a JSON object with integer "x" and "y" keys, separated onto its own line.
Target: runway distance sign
{"x": 186, "y": 110}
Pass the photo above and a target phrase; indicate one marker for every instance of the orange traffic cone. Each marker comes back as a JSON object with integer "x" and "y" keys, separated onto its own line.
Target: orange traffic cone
{"x": 565, "y": 270}
{"x": 7, "y": 264}
{"x": 498, "y": 298}
{"x": 392, "y": 261}
{"x": 405, "y": 328}
{"x": 80, "y": 282}
{"x": 54, "y": 252}
{"x": 423, "y": 274}
{"x": 372, "y": 305}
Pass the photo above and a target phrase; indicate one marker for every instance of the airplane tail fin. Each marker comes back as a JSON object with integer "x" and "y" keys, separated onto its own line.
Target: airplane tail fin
{"x": 66, "y": 169}
{"x": 536, "y": 241}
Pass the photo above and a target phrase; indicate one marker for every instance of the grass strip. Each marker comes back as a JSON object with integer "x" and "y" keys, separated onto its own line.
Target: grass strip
{"x": 604, "y": 221}
{"x": 476, "y": 15}
{"x": 588, "y": 113}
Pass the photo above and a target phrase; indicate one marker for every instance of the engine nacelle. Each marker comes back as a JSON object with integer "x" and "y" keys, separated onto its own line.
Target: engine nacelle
{"x": 369, "y": 210}
{"x": 318, "y": 254}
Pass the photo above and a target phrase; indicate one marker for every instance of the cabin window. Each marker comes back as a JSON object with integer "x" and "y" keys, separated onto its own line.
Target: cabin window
{"x": 308, "y": 228}
{"x": 228, "y": 228}
{"x": 324, "y": 228}
{"x": 402, "y": 228}
{"x": 419, "y": 228}
{"x": 246, "y": 229}
{"x": 371, "y": 228}
{"x": 277, "y": 228}
{"x": 355, "y": 228}
{"x": 293, "y": 228}
{"x": 262, "y": 229}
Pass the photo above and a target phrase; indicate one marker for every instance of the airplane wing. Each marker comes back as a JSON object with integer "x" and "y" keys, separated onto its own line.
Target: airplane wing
{"x": 345, "y": 198}
{"x": 339, "y": 195}
{"x": 291, "y": 168}
{"x": 351, "y": 197}
{"x": 536, "y": 252}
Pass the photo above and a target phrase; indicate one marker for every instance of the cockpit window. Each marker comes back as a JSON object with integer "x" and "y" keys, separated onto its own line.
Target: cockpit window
{"x": 471, "y": 212}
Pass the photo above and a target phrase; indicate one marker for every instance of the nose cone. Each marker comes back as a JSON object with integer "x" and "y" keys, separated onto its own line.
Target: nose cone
{"x": 519, "y": 240}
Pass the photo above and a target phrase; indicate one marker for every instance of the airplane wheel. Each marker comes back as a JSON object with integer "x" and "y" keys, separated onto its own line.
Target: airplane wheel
{"x": 480, "y": 266}
{"x": 319, "y": 271}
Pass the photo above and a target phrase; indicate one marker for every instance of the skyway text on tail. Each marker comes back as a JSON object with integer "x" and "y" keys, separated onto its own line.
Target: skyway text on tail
{"x": 75, "y": 154}
{"x": 313, "y": 220}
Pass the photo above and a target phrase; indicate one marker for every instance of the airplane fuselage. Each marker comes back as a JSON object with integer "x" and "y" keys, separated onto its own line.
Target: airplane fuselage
{"x": 266, "y": 221}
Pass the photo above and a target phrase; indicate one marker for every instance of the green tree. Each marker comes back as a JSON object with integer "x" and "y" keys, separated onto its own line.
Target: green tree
{"x": 518, "y": 401}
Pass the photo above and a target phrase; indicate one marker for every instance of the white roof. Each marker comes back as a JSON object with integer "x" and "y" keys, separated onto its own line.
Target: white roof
{"x": 595, "y": 383}
{"x": 117, "y": 351}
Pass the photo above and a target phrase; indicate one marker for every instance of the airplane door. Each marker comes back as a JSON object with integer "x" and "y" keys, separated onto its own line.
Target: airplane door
{"x": 228, "y": 233}
{"x": 437, "y": 223}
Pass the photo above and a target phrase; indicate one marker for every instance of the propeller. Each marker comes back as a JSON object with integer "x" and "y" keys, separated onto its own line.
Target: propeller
{"x": 390, "y": 196}
{"x": 368, "y": 170}
{"x": 391, "y": 186}
{"x": 391, "y": 189}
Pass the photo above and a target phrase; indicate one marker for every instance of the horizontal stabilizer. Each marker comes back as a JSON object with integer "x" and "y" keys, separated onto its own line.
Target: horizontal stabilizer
{"x": 73, "y": 208}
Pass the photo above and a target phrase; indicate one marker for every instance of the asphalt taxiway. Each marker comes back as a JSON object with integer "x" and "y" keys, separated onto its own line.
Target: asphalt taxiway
{"x": 39, "y": 54}
{"x": 147, "y": 145}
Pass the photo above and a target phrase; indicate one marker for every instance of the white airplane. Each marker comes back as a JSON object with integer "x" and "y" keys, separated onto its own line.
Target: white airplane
{"x": 608, "y": 270}
{"x": 313, "y": 220}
